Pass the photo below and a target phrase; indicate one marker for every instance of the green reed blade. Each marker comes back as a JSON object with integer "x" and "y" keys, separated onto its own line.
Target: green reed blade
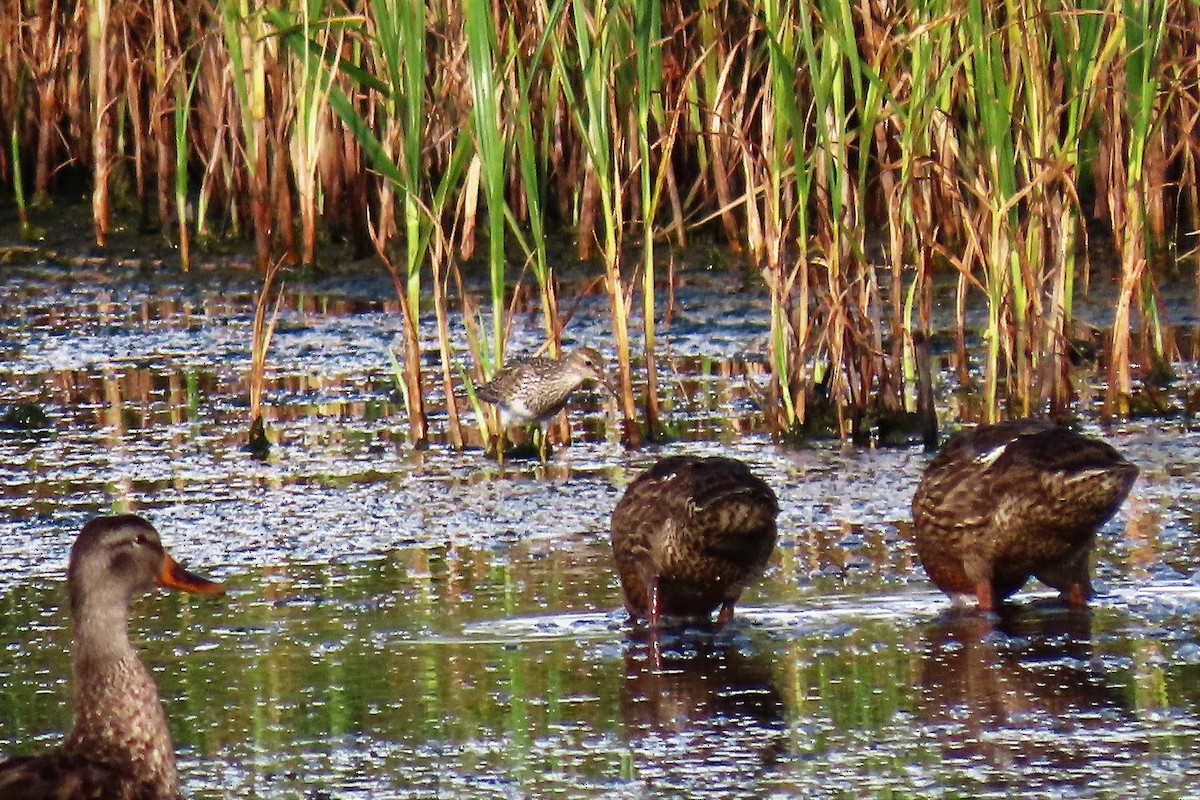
{"x": 490, "y": 147}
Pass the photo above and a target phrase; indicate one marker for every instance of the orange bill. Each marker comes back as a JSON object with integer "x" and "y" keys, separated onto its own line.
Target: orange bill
{"x": 174, "y": 576}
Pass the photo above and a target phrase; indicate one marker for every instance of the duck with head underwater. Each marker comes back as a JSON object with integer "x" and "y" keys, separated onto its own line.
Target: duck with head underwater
{"x": 119, "y": 746}
{"x": 689, "y": 535}
{"x": 1021, "y": 498}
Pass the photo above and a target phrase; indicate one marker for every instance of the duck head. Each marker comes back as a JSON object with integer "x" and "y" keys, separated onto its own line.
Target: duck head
{"x": 117, "y": 557}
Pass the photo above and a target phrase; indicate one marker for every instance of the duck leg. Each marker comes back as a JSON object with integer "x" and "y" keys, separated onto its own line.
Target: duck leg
{"x": 1072, "y": 578}
{"x": 985, "y": 596}
{"x": 725, "y": 614}
{"x": 1077, "y": 596}
{"x": 498, "y": 444}
{"x": 652, "y": 604}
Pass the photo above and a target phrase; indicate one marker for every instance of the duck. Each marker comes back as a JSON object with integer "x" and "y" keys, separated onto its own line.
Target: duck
{"x": 1013, "y": 500}
{"x": 532, "y": 390}
{"x": 689, "y": 535}
{"x": 119, "y": 746}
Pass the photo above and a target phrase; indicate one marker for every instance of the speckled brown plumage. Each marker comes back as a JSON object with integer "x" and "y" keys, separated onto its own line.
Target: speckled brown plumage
{"x": 533, "y": 390}
{"x": 689, "y": 535}
{"x": 1018, "y": 499}
{"x": 119, "y": 746}
{"x": 530, "y": 390}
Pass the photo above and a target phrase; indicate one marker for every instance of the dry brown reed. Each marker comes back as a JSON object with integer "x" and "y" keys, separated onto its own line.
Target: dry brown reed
{"x": 853, "y": 152}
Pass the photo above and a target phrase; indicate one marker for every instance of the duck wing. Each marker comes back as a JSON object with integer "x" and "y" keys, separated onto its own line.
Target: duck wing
{"x": 56, "y": 776}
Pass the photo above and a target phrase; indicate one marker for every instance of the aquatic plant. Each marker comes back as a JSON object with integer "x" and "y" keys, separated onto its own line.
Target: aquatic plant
{"x": 262, "y": 330}
{"x": 853, "y": 153}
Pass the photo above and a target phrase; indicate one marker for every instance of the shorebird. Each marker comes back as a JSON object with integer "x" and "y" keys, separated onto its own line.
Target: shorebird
{"x": 532, "y": 390}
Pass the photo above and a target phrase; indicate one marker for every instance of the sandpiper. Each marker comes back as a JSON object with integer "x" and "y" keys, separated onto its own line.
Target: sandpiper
{"x": 1018, "y": 499}
{"x": 533, "y": 390}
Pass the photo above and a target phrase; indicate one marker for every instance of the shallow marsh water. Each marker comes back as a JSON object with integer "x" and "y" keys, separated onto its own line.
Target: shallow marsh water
{"x": 429, "y": 624}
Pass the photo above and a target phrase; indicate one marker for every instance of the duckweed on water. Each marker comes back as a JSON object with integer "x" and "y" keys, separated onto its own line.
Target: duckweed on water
{"x": 429, "y": 624}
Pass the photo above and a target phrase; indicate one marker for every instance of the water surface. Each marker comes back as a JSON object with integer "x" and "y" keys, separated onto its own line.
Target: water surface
{"x": 430, "y": 624}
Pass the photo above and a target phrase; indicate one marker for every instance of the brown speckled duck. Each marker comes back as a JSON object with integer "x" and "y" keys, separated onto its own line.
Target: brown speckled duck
{"x": 689, "y": 535}
{"x": 532, "y": 390}
{"x": 1018, "y": 499}
{"x": 119, "y": 747}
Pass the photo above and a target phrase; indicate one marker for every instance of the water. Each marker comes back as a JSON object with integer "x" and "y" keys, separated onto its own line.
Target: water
{"x": 429, "y": 624}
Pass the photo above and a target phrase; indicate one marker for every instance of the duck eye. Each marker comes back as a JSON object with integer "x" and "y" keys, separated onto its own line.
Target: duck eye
{"x": 140, "y": 540}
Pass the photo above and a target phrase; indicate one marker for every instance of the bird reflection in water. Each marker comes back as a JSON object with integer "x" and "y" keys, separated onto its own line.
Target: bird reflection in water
{"x": 700, "y": 711}
{"x": 1021, "y": 696}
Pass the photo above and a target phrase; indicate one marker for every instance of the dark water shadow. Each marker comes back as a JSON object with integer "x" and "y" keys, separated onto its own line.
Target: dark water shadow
{"x": 700, "y": 712}
{"x": 1021, "y": 694}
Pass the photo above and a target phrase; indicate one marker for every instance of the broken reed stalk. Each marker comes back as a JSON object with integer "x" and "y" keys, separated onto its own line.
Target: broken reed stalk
{"x": 261, "y": 332}
{"x": 438, "y": 259}
{"x": 414, "y": 396}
